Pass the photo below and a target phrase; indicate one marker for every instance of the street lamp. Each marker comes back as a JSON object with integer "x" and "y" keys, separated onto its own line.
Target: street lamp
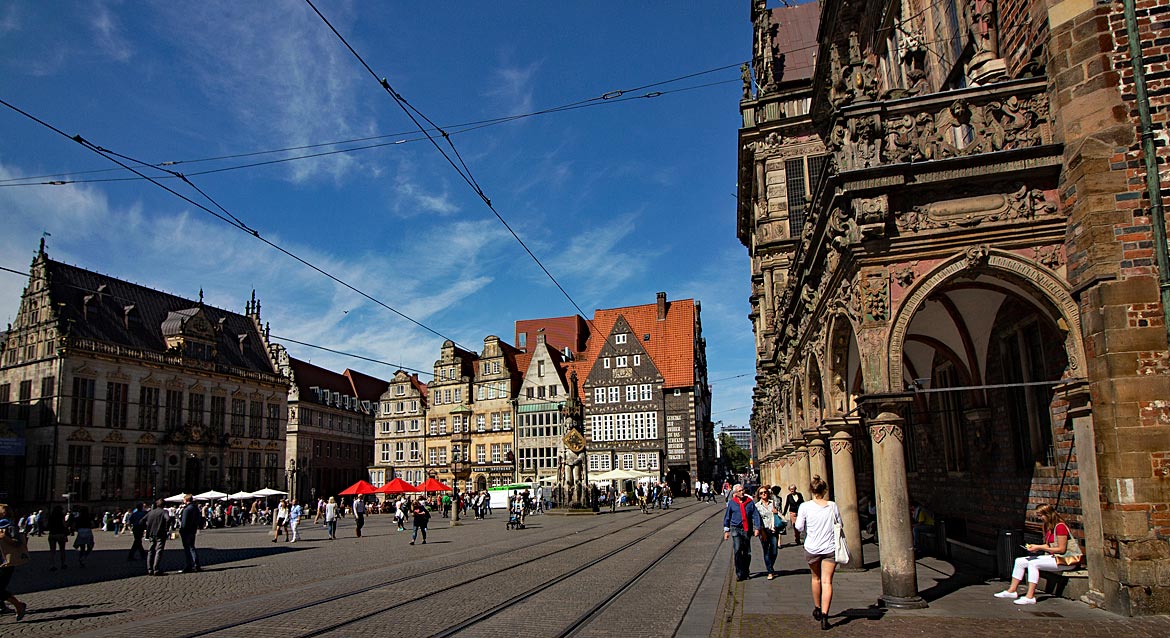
{"x": 455, "y": 492}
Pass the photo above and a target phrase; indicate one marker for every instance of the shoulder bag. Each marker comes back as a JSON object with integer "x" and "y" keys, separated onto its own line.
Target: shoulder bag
{"x": 841, "y": 551}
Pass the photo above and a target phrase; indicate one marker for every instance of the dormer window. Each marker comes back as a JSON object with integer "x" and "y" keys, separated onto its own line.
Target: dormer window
{"x": 619, "y": 338}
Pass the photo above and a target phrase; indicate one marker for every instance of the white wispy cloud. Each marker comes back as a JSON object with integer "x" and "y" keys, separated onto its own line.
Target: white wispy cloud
{"x": 108, "y": 33}
{"x": 414, "y": 199}
{"x": 284, "y": 77}
{"x": 600, "y": 260}
{"x": 511, "y": 88}
{"x": 9, "y": 18}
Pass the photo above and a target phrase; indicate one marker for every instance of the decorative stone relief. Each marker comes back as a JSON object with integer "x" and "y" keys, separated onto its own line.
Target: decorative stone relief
{"x": 904, "y": 274}
{"x": 875, "y": 295}
{"x": 879, "y": 432}
{"x": 1050, "y": 256}
{"x": 1021, "y": 204}
{"x": 872, "y": 213}
{"x": 977, "y": 256}
{"x": 840, "y": 446}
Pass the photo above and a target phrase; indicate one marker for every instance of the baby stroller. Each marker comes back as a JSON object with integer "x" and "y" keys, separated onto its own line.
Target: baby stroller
{"x": 514, "y": 521}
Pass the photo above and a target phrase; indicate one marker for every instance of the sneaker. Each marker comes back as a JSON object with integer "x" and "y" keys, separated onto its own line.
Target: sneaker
{"x": 1025, "y": 601}
{"x": 1007, "y": 594}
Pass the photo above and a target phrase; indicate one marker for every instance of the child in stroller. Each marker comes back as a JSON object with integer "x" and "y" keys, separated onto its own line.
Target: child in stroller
{"x": 516, "y": 513}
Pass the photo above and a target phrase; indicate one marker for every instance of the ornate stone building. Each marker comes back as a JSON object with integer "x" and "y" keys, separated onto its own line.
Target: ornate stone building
{"x": 539, "y": 429}
{"x": 330, "y": 434}
{"x": 449, "y": 416}
{"x": 493, "y": 439}
{"x": 967, "y": 311}
{"x": 643, "y": 378}
{"x": 123, "y": 392}
{"x": 400, "y": 433}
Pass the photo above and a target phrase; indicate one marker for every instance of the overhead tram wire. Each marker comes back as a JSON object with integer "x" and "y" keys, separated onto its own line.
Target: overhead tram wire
{"x": 229, "y": 219}
{"x": 465, "y": 172}
{"x": 610, "y": 97}
{"x": 276, "y": 337}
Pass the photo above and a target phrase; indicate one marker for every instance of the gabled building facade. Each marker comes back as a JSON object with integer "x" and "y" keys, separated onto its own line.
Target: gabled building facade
{"x": 539, "y": 428}
{"x": 400, "y": 441}
{"x": 493, "y": 437}
{"x": 330, "y": 433}
{"x": 449, "y": 417}
{"x": 121, "y": 393}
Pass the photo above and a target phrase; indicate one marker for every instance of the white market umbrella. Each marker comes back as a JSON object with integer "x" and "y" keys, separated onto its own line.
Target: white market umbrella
{"x": 547, "y": 480}
{"x": 177, "y": 498}
{"x": 616, "y": 475}
{"x": 211, "y": 495}
{"x": 239, "y": 496}
{"x": 269, "y": 492}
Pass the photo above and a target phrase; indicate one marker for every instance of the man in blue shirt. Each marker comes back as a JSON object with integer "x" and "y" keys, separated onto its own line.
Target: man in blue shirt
{"x": 738, "y": 525}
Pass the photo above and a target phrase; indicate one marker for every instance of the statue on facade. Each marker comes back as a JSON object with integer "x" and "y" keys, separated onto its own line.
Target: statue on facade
{"x": 745, "y": 74}
{"x": 982, "y": 25}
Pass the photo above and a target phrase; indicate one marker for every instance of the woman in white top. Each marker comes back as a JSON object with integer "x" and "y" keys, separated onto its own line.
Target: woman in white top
{"x": 816, "y": 518}
{"x": 331, "y": 518}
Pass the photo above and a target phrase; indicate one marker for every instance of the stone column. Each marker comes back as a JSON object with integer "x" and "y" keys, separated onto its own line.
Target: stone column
{"x": 818, "y": 460}
{"x": 899, "y": 571}
{"x": 845, "y": 486}
{"x": 1080, "y": 411}
{"x": 800, "y": 473}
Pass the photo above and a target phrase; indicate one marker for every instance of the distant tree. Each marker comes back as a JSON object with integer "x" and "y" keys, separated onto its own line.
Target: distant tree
{"x": 736, "y": 457}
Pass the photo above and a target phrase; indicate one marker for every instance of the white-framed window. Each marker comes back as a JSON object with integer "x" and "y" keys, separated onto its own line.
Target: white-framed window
{"x": 496, "y": 453}
{"x": 605, "y": 362}
{"x": 552, "y": 391}
{"x": 414, "y": 425}
{"x": 433, "y": 456}
{"x": 627, "y": 461}
{"x": 653, "y": 462}
{"x": 480, "y": 453}
{"x": 399, "y": 452}
{"x": 599, "y": 395}
{"x": 622, "y": 428}
{"x": 433, "y": 427}
{"x": 495, "y": 420}
{"x": 443, "y": 426}
{"x": 479, "y": 392}
{"x": 401, "y": 406}
{"x": 594, "y": 462}
{"x": 605, "y": 462}
{"x": 414, "y": 454}
{"x": 646, "y": 391}
{"x": 414, "y": 405}
{"x": 637, "y": 360}
{"x": 447, "y": 395}
{"x": 442, "y": 457}
{"x": 399, "y": 390}
{"x": 386, "y": 408}
{"x": 641, "y": 461}
{"x": 400, "y": 426}
{"x": 458, "y": 395}
{"x": 507, "y": 448}
{"x": 507, "y": 420}
{"x": 677, "y": 392}
{"x": 631, "y": 393}
{"x": 615, "y": 394}
{"x": 621, "y": 361}
{"x": 385, "y": 427}
{"x": 491, "y": 390}
{"x": 619, "y": 337}
{"x": 385, "y": 453}
{"x": 456, "y": 422}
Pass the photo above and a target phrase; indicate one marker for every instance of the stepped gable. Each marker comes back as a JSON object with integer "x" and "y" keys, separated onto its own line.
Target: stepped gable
{"x": 102, "y": 308}
{"x": 670, "y": 343}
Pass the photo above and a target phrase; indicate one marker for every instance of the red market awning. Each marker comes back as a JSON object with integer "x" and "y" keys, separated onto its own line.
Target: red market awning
{"x": 432, "y": 485}
{"x": 397, "y": 486}
{"x": 361, "y": 487}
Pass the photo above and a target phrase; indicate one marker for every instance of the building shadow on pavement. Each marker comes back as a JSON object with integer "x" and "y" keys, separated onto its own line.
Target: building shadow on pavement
{"x": 111, "y": 564}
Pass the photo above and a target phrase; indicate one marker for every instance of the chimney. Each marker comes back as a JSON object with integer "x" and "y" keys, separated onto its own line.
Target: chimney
{"x": 662, "y": 306}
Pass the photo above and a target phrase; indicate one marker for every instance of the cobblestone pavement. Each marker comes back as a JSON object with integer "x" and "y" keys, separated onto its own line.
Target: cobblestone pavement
{"x": 683, "y": 586}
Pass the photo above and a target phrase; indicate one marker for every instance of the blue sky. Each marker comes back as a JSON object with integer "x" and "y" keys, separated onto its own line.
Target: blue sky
{"x": 619, "y": 200}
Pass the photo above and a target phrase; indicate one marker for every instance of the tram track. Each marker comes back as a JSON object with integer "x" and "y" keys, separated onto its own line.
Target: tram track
{"x": 228, "y": 628}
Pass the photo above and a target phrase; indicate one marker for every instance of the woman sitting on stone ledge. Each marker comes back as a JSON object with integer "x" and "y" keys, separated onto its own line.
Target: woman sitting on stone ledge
{"x": 1060, "y": 552}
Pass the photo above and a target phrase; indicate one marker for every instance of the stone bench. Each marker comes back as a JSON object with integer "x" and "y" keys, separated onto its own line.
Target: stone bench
{"x": 1070, "y": 584}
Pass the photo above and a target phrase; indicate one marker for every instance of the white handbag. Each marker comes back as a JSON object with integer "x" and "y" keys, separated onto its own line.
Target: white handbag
{"x": 841, "y": 551}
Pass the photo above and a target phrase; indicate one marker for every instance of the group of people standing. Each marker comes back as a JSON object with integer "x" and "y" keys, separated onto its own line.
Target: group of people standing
{"x": 764, "y": 517}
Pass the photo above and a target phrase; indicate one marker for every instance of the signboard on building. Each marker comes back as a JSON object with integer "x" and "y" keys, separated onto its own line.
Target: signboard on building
{"x": 676, "y": 447}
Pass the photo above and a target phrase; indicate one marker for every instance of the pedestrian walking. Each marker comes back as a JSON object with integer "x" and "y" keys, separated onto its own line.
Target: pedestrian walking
{"x": 359, "y": 513}
{"x": 791, "y": 507}
{"x": 58, "y": 536}
{"x": 331, "y": 518}
{"x": 816, "y": 518}
{"x": 767, "y": 519}
{"x": 83, "y": 538}
{"x": 738, "y": 525}
{"x": 13, "y": 553}
{"x": 190, "y": 522}
{"x": 134, "y": 523}
{"x": 294, "y": 520}
{"x": 280, "y": 521}
{"x": 156, "y": 525}
{"x": 421, "y": 517}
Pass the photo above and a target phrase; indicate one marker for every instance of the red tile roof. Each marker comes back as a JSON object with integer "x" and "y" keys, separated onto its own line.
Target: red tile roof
{"x": 366, "y": 387}
{"x": 349, "y": 383}
{"x": 671, "y": 345}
